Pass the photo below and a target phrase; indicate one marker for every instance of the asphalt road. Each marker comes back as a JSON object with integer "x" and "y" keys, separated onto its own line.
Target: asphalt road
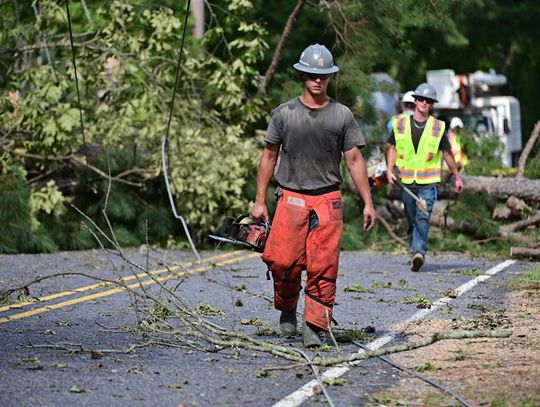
{"x": 46, "y": 346}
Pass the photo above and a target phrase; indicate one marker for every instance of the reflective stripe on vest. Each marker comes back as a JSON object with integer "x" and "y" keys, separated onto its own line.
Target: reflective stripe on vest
{"x": 422, "y": 166}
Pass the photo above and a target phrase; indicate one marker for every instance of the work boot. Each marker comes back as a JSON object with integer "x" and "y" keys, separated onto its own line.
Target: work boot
{"x": 417, "y": 261}
{"x": 310, "y": 336}
{"x": 287, "y": 322}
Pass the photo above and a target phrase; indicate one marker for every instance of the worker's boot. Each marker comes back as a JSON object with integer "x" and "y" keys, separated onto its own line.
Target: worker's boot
{"x": 287, "y": 322}
{"x": 417, "y": 261}
{"x": 310, "y": 335}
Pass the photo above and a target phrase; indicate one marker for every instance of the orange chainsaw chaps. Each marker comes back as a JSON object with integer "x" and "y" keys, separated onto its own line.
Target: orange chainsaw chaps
{"x": 291, "y": 248}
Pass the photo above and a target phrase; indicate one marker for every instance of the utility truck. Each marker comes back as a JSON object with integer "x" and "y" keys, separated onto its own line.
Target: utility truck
{"x": 473, "y": 98}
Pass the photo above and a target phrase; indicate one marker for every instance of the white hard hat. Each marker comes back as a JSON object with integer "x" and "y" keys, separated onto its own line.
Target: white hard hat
{"x": 408, "y": 97}
{"x": 456, "y": 122}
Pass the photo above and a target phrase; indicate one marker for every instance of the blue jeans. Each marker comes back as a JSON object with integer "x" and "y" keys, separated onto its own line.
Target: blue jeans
{"x": 418, "y": 221}
{"x": 313, "y": 220}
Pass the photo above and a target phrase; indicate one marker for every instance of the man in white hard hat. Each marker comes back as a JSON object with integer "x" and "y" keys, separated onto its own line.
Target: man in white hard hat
{"x": 454, "y": 136}
{"x": 407, "y": 107}
{"x": 310, "y": 134}
{"x": 415, "y": 147}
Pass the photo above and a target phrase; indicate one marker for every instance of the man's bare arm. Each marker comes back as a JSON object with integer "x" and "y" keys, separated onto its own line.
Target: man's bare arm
{"x": 357, "y": 167}
{"x": 390, "y": 162}
{"x": 452, "y": 166}
{"x": 265, "y": 172}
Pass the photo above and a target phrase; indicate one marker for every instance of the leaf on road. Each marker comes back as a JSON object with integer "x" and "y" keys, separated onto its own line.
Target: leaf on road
{"x": 355, "y": 288}
{"x": 254, "y": 322}
{"x": 95, "y": 354}
{"x": 77, "y": 389}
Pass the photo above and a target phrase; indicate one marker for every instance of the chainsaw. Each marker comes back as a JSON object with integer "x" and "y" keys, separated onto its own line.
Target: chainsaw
{"x": 376, "y": 169}
{"x": 377, "y": 176}
{"x": 244, "y": 231}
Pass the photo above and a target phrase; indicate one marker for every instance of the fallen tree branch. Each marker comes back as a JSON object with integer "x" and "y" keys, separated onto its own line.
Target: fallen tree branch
{"x": 78, "y": 348}
{"x": 506, "y": 230}
{"x": 527, "y": 150}
{"x": 81, "y": 161}
{"x": 429, "y": 340}
{"x": 390, "y": 231}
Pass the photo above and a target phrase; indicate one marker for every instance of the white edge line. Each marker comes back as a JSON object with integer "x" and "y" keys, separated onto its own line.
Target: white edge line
{"x": 308, "y": 390}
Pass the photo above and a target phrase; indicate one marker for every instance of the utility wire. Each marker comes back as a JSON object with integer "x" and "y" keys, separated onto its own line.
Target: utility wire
{"x": 166, "y": 138}
{"x": 317, "y": 376}
{"x": 419, "y": 376}
{"x": 165, "y": 143}
{"x": 75, "y": 70}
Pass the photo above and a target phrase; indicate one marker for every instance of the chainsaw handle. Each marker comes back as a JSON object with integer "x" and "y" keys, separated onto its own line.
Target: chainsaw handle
{"x": 248, "y": 215}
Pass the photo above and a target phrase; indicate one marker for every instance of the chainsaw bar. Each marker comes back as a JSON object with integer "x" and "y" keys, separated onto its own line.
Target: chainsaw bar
{"x": 420, "y": 202}
{"x": 229, "y": 240}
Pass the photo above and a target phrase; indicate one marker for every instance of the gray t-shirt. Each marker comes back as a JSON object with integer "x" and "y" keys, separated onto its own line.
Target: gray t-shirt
{"x": 312, "y": 143}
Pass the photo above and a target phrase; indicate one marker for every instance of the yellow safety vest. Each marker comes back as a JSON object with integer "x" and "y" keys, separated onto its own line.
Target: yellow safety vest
{"x": 424, "y": 165}
{"x": 459, "y": 155}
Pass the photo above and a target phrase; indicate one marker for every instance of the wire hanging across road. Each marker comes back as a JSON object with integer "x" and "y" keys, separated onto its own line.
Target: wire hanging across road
{"x": 165, "y": 143}
{"x": 75, "y": 70}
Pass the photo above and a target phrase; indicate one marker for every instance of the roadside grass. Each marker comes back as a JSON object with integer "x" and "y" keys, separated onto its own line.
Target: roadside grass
{"x": 505, "y": 401}
{"x": 529, "y": 280}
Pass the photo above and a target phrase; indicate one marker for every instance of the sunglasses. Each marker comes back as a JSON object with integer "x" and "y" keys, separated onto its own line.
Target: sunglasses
{"x": 428, "y": 101}
{"x": 315, "y": 76}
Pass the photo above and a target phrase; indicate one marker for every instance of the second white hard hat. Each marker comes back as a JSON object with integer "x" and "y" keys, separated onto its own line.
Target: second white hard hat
{"x": 408, "y": 97}
{"x": 456, "y": 122}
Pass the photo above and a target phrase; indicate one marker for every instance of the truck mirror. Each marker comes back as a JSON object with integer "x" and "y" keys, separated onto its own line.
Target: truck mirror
{"x": 506, "y": 126}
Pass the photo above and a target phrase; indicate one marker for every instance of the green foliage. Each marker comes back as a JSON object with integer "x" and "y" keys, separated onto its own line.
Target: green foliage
{"x": 484, "y": 153}
{"x": 21, "y": 231}
{"x": 472, "y": 211}
{"x": 475, "y": 209}
{"x": 499, "y": 35}
{"x": 355, "y": 288}
{"x": 126, "y": 66}
{"x": 425, "y": 367}
{"x": 349, "y": 335}
{"x": 208, "y": 310}
{"x": 529, "y": 280}
{"x": 419, "y": 300}
{"x": 508, "y": 401}
{"x": 532, "y": 170}
{"x": 46, "y": 199}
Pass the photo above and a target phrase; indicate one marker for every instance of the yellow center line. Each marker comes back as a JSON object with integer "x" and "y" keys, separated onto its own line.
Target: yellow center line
{"x": 107, "y": 284}
{"x": 117, "y": 290}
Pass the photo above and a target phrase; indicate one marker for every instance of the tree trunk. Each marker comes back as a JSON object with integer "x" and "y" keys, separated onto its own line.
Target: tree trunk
{"x": 527, "y": 150}
{"x": 502, "y": 188}
{"x": 281, "y": 44}
{"x": 524, "y": 253}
